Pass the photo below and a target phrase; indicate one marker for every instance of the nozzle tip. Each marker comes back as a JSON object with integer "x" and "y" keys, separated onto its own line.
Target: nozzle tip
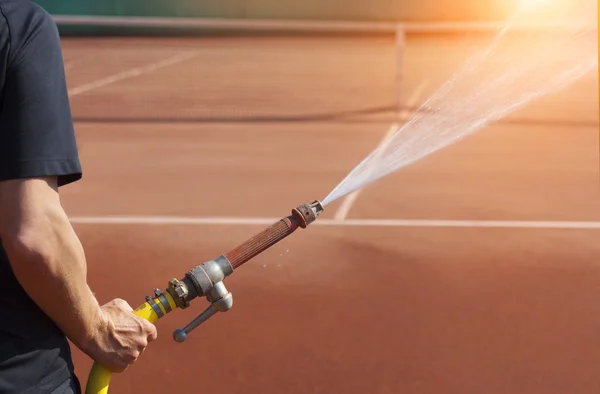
{"x": 307, "y": 213}
{"x": 317, "y": 207}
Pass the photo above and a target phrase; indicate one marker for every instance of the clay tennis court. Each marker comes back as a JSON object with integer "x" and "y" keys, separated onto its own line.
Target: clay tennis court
{"x": 220, "y": 136}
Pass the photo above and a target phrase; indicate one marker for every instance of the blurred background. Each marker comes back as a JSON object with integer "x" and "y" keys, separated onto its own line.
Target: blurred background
{"x": 473, "y": 270}
{"x": 427, "y": 10}
{"x": 336, "y": 10}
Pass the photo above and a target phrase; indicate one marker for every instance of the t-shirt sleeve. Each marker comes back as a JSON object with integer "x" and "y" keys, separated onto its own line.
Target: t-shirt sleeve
{"x": 37, "y": 136}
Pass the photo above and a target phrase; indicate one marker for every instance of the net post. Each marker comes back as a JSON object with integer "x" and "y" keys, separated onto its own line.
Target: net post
{"x": 399, "y": 49}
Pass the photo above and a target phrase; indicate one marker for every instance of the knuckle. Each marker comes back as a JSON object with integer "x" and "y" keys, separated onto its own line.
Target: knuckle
{"x": 132, "y": 357}
{"x": 148, "y": 327}
{"x": 120, "y": 366}
{"x": 115, "y": 304}
{"x": 123, "y": 303}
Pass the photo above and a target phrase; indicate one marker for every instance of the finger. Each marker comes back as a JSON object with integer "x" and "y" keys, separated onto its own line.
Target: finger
{"x": 149, "y": 329}
{"x": 119, "y": 367}
{"x": 152, "y": 332}
{"x": 132, "y": 357}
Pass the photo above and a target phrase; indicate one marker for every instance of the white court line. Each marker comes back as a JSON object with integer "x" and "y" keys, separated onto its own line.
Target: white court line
{"x": 252, "y": 221}
{"x": 134, "y": 72}
{"x": 69, "y": 65}
{"x": 346, "y": 205}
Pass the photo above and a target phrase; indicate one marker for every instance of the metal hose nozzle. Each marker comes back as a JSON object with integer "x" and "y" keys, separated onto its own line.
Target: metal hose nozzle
{"x": 301, "y": 216}
{"x": 207, "y": 280}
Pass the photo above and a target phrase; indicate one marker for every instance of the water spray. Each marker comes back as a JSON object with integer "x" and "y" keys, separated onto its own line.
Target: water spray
{"x": 206, "y": 280}
{"x": 519, "y": 66}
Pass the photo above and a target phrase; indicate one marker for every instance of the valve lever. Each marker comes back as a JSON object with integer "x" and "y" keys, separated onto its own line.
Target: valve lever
{"x": 221, "y": 301}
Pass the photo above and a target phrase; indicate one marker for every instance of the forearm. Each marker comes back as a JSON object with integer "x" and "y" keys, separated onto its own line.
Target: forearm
{"x": 49, "y": 262}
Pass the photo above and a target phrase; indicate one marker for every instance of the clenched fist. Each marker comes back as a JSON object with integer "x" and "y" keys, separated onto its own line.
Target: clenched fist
{"x": 121, "y": 337}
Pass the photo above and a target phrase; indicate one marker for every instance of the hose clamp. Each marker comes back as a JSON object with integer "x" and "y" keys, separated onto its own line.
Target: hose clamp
{"x": 155, "y": 307}
{"x": 163, "y": 300}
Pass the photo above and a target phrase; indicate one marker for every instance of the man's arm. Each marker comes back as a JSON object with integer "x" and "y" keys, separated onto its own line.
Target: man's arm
{"x": 49, "y": 263}
{"x": 47, "y": 257}
{"x": 38, "y": 153}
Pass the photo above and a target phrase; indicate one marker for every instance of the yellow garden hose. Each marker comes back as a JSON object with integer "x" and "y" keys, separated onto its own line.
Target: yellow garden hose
{"x": 99, "y": 377}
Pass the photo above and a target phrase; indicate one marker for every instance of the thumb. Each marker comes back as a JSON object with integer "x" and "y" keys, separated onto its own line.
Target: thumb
{"x": 150, "y": 330}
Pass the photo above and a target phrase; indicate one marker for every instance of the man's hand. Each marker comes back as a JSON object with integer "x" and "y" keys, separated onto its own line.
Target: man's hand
{"x": 121, "y": 338}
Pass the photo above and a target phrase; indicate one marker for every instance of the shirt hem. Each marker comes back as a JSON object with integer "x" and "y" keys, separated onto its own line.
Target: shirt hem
{"x": 67, "y": 170}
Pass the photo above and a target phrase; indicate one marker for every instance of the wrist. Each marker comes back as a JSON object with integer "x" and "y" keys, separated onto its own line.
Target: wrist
{"x": 90, "y": 339}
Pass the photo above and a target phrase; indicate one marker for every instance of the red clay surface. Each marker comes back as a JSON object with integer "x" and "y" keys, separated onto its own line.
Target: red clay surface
{"x": 337, "y": 309}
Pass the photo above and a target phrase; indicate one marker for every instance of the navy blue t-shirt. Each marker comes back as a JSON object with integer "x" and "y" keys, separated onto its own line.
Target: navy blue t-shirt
{"x": 36, "y": 139}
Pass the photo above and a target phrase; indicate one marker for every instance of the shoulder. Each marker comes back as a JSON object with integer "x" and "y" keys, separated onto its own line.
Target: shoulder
{"x": 24, "y": 11}
{"x": 23, "y": 21}
{"x": 36, "y": 130}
